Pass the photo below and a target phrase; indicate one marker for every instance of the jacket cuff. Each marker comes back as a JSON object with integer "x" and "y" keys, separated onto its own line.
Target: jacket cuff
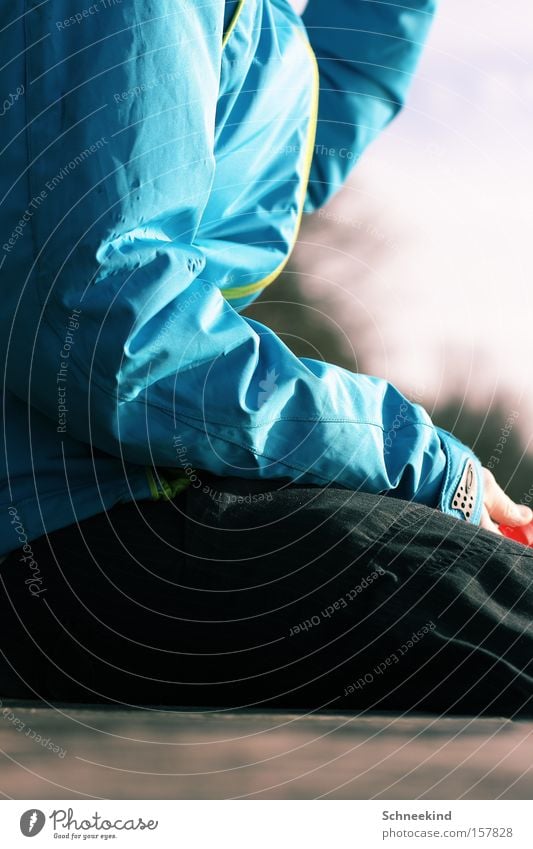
{"x": 462, "y": 492}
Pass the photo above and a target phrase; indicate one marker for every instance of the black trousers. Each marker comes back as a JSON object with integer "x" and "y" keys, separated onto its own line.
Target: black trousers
{"x": 244, "y": 594}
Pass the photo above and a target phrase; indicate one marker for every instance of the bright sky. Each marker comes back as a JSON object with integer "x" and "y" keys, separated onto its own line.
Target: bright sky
{"x": 451, "y": 301}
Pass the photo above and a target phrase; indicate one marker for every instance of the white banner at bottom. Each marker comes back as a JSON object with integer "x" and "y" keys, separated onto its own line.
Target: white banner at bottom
{"x": 267, "y": 824}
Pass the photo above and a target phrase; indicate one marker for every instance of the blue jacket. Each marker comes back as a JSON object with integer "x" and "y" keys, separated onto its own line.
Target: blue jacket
{"x": 156, "y": 159}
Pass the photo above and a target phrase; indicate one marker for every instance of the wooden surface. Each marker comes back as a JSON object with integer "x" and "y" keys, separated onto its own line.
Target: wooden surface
{"x": 176, "y": 754}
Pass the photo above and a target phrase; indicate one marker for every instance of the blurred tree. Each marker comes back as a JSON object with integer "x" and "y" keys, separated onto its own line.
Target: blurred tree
{"x": 492, "y": 435}
{"x": 307, "y": 330}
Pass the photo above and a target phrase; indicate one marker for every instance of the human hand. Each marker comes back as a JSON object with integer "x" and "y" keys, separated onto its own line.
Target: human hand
{"x": 499, "y": 509}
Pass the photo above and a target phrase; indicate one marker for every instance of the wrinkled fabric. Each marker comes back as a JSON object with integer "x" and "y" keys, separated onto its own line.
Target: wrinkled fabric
{"x": 246, "y": 593}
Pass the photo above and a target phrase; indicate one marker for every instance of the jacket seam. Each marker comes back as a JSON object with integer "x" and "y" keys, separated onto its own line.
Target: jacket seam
{"x": 237, "y": 292}
{"x": 233, "y": 23}
{"x": 250, "y": 450}
{"x": 266, "y": 456}
{"x": 321, "y": 419}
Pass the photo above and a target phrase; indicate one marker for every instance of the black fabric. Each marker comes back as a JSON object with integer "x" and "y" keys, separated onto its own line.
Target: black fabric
{"x": 238, "y": 594}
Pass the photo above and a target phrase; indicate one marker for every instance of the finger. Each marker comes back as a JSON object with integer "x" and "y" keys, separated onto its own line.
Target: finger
{"x": 487, "y": 523}
{"x": 506, "y": 512}
{"x": 502, "y": 509}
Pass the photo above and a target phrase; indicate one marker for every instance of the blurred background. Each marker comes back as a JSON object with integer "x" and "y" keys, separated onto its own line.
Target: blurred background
{"x": 419, "y": 271}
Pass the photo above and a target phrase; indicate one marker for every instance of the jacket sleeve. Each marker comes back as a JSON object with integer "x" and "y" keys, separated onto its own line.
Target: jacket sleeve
{"x": 367, "y": 51}
{"x": 119, "y": 339}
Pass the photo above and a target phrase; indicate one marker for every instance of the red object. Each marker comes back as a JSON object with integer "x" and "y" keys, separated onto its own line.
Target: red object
{"x": 524, "y": 534}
